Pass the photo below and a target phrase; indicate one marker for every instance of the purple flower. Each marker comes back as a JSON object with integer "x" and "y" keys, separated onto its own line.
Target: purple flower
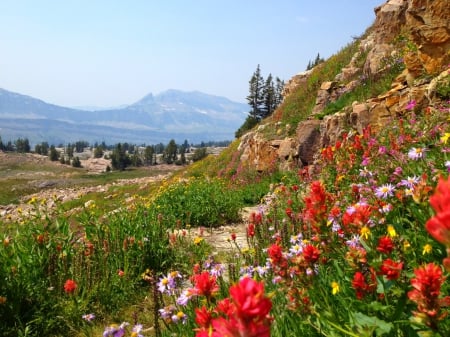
{"x": 416, "y": 153}
{"x": 115, "y": 331}
{"x": 185, "y": 296}
{"x": 410, "y": 182}
{"x": 136, "y": 331}
{"x": 384, "y": 191}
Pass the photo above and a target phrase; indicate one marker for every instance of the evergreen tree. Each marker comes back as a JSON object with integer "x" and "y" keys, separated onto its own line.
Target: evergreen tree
{"x": 149, "y": 152}
{"x": 54, "y": 154}
{"x": 76, "y": 162}
{"x": 22, "y": 145}
{"x": 170, "y": 152}
{"x": 119, "y": 158}
{"x": 279, "y": 86}
{"x": 268, "y": 97}
{"x": 2, "y": 146}
{"x": 69, "y": 150}
{"x": 255, "y": 98}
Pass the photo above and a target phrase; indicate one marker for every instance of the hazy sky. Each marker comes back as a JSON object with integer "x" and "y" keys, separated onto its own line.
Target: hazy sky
{"x": 113, "y": 52}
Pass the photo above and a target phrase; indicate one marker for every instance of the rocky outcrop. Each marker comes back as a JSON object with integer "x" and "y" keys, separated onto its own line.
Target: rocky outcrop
{"x": 424, "y": 26}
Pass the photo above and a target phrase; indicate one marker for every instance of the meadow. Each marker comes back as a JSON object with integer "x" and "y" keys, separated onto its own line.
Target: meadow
{"x": 360, "y": 247}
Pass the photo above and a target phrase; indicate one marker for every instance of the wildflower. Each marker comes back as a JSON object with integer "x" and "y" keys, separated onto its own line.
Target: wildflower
{"x": 416, "y": 153}
{"x": 165, "y": 284}
{"x": 353, "y": 242}
{"x": 275, "y": 253}
{"x": 197, "y": 240}
{"x": 114, "y": 330}
{"x": 179, "y": 317}
{"x": 384, "y": 191}
{"x": 385, "y": 245}
{"x": 361, "y": 285}
{"x": 334, "y": 288}
{"x": 205, "y": 284}
{"x": 70, "y": 286}
{"x": 391, "y": 269}
{"x": 426, "y": 290}
{"x": 217, "y": 270}
{"x": 447, "y": 165}
{"x": 427, "y": 249}
{"x": 365, "y": 232}
{"x": 88, "y": 317}
{"x": 185, "y": 296}
{"x": 203, "y": 318}
{"x": 248, "y": 296}
{"x": 233, "y": 236}
{"x": 411, "y": 104}
{"x": 391, "y": 231}
{"x": 251, "y": 230}
{"x": 445, "y": 137}
{"x": 311, "y": 253}
{"x": 135, "y": 332}
{"x": 121, "y": 273}
{"x": 410, "y": 182}
{"x": 439, "y": 225}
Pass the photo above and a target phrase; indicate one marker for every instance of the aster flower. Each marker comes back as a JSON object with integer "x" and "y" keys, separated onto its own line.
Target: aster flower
{"x": 185, "y": 296}
{"x": 416, "y": 153}
{"x": 114, "y": 330}
{"x": 385, "y": 191}
{"x": 410, "y": 182}
{"x": 136, "y": 331}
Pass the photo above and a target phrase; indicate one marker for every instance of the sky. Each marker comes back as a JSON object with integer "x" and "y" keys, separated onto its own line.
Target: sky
{"x": 106, "y": 53}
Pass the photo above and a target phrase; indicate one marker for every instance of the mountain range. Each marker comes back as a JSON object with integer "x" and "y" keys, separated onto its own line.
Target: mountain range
{"x": 172, "y": 114}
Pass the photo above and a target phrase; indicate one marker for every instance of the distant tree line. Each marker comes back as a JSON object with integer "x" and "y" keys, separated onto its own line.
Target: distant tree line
{"x": 265, "y": 95}
{"x": 122, "y": 155}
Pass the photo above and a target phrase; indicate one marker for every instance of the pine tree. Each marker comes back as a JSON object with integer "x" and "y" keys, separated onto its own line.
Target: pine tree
{"x": 255, "y": 98}
{"x": 279, "y": 86}
{"x": 268, "y": 97}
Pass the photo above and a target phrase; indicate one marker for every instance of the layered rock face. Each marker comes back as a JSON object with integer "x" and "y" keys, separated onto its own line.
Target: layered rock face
{"x": 425, "y": 24}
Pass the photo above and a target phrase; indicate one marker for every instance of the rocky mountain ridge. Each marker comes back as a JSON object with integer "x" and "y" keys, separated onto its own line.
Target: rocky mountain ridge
{"x": 426, "y": 67}
{"x": 173, "y": 114}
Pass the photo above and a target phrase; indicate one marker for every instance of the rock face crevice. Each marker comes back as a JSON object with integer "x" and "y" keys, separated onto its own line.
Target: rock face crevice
{"x": 425, "y": 25}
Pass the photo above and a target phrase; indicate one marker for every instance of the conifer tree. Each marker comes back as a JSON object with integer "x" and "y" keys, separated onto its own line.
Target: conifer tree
{"x": 255, "y": 98}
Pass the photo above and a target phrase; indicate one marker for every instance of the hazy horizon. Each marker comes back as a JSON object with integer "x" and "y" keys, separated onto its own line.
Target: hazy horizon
{"x": 108, "y": 54}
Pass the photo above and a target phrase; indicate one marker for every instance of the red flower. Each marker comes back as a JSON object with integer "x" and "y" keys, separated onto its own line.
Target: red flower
{"x": 205, "y": 284}
{"x": 275, "y": 253}
{"x": 251, "y": 230}
{"x": 203, "y": 317}
{"x": 70, "y": 286}
{"x": 427, "y": 287}
{"x": 233, "y": 236}
{"x": 248, "y": 296}
{"x": 439, "y": 225}
{"x": 391, "y": 269}
{"x": 360, "y": 284}
{"x": 311, "y": 253}
{"x": 385, "y": 245}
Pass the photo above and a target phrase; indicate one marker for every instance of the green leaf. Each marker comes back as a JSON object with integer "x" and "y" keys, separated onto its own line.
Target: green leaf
{"x": 369, "y": 324}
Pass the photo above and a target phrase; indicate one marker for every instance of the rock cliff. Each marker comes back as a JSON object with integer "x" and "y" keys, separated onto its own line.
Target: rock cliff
{"x": 415, "y": 33}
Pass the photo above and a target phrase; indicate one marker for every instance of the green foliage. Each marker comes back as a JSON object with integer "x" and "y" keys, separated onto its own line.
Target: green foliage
{"x": 196, "y": 202}
{"x": 105, "y": 257}
{"x": 199, "y": 154}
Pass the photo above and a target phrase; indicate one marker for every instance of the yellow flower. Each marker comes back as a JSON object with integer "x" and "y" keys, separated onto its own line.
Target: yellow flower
{"x": 334, "y": 287}
{"x": 427, "y": 249}
{"x": 406, "y": 245}
{"x": 391, "y": 231}
{"x": 445, "y": 137}
{"x": 197, "y": 240}
{"x": 365, "y": 232}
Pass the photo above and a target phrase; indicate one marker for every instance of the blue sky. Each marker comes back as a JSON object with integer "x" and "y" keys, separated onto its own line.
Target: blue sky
{"x": 110, "y": 52}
